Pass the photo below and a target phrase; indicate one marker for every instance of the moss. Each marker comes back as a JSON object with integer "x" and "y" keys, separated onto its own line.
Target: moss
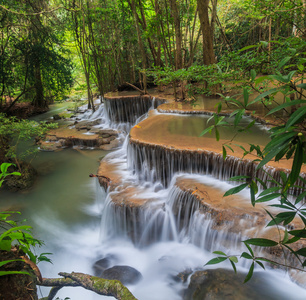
{"x": 114, "y": 287}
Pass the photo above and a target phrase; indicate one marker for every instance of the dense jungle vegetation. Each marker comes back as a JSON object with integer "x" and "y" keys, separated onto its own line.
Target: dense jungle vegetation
{"x": 52, "y": 50}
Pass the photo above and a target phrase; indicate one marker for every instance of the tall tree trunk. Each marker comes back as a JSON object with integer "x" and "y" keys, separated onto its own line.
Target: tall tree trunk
{"x": 140, "y": 43}
{"x": 208, "y": 49}
{"x": 178, "y": 34}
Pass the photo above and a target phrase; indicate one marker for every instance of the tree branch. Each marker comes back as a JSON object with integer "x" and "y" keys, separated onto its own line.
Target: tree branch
{"x": 98, "y": 285}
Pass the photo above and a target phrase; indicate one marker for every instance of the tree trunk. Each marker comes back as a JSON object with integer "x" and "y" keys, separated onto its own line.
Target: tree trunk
{"x": 140, "y": 44}
{"x": 178, "y": 34}
{"x": 208, "y": 49}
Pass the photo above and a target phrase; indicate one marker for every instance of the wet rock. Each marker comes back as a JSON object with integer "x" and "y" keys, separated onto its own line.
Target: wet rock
{"x": 225, "y": 284}
{"x": 50, "y": 146}
{"x": 126, "y": 274}
{"x": 86, "y": 124}
{"x": 56, "y": 117}
{"x": 112, "y": 145}
{"x": 52, "y": 138}
{"x": 23, "y": 182}
{"x": 101, "y": 265}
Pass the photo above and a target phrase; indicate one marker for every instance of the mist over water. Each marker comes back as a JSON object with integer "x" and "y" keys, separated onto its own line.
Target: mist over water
{"x": 80, "y": 225}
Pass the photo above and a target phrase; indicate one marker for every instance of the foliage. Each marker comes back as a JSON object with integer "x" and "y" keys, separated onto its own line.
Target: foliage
{"x": 287, "y": 141}
{"x": 14, "y": 131}
{"x": 12, "y": 233}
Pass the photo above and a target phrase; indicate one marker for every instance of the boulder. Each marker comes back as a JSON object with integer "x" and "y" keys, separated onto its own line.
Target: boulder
{"x": 87, "y": 124}
{"x": 56, "y": 117}
{"x": 225, "y": 284}
{"x": 107, "y": 147}
{"x": 101, "y": 265}
{"x": 125, "y": 274}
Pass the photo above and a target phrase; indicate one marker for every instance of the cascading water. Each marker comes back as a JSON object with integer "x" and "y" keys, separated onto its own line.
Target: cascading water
{"x": 162, "y": 231}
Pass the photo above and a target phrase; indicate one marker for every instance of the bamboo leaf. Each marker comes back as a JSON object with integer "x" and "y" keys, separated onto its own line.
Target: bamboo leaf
{"x": 261, "y": 242}
{"x": 216, "y": 260}
{"x": 250, "y": 274}
{"x": 235, "y": 190}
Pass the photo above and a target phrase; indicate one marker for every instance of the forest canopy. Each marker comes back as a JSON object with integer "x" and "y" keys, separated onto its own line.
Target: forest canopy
{"x": 46, "y": 45}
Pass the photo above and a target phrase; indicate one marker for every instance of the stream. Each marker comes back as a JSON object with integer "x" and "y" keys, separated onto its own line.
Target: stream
{"x": 74, "y": 217}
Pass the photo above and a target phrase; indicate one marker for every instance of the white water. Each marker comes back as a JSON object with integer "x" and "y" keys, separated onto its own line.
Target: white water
{"x": 161, "y": 250}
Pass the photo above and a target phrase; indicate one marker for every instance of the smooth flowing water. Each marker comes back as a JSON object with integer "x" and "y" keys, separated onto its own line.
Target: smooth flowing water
{"x": 79, "y": 225}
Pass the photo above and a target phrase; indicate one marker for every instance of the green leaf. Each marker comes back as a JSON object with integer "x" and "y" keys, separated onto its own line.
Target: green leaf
{"x": 4, "y": 273}
{"x": 297, "y": 163}
{"x": 238, "y": 178}
{"x": 301, "y": 252}
{"x": 298, "y": 233}
{"x": 269, "y": 190}
{"x": 245, "y": 96}
{"x": 253, "y": 75}
{"x": 246, "y": 255}
{"x": 234, "y": 267}
{"x": 219, "y": 253}
{"x": 2, "y": 263}
{"x": 265, "y": 94}
{"x": 300, "y": 197}
{"x": 236, "y": 189}
{"x": 286, "y": 104}
{"x": 260, "y": 264}
{"x": 268, "y": 197}
{"x": 302, "y": 86}
{"x": 248, "y": 47}
{"x": 296, "y": 117}
{"x": 261, "y": 242}
{"x": 234, "y": 259}
{"x": 283, "y": 62}
{"x": 250, "y": 249}
{"x": 223, "y": 152}
{"x": 217, "y": 134}
{"x": 250, "y": 274}
{"x": 208, "y": 129}
{"x": 216, "y": 260}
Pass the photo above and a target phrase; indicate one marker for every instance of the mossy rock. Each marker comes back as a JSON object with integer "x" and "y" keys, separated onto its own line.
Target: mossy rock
{"x": 23, "y": 182}
{"x": 17, "y": 286}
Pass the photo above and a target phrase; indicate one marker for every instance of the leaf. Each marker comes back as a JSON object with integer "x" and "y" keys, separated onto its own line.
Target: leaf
{"x": 298, "y": 233}
{"x": 208, "y": 129}
{"x": 234, "y": 267}
{"x": 268, "y": 197}
{"x": 246, "y": 255}
{"x": 223, "y": 152}
{"x": 269, "y": 190}
{"x": 265, "y": 94}
{"x": 302, "y": 86}
{"x": 261, "y": 264}
{"x": 247, "y": 48}
{"x": 4, "y": 167}
{"x": 235, "y": 190}
{"x": 238, "y": 117}
{"x": 245, "y": 96}
{"x": 301, "y": 252}
{"x": 296, "y": 117}
{"x": 249, "y": 275}
{"x": 283, "y": 62}
{"x": 217, "y": 134}
{"x": 219, "y": 253}
{"x": 297, "y": 163}
{"x": 286, "y": 104}
{"x": 261, "y": 242}
{"x": 253, "y": 75}
{"x": 234, "y": 259}
{"x": 237, "y": 178}
{"x": 4, "y": 273}
{"x": 216, "y": 260}
{"x": 2, "y": 263}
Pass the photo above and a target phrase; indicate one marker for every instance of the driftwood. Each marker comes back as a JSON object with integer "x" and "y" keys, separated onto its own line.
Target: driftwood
{"x": 143, "y": 92}
{"x": 98, "y": 285}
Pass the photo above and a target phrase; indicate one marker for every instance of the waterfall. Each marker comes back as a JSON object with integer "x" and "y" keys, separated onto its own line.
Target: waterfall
{"x": 159, "y": 163}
